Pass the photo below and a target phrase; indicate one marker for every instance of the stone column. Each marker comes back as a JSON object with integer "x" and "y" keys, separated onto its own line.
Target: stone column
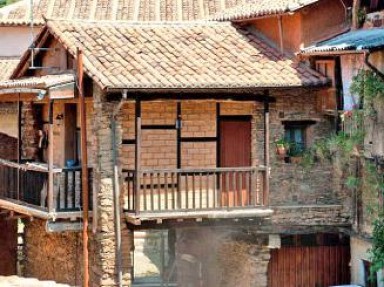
{"x": 104, "y": 268}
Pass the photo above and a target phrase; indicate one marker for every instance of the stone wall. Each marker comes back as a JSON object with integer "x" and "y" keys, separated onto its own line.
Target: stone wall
{"x": 359, "y": 251}
{"x": 229, "y": 256}
{"x": 29, "y": 136}
{"x": 53, "y": 256}
{"x": 318, "y": 215}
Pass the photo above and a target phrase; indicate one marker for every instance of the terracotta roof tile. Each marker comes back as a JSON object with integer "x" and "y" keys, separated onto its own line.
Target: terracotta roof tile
{"x": 259, "y": 8}
{"x": 128, "y": 10}
{"x": 7, "y": 66}
{"x": 179, "y": 55}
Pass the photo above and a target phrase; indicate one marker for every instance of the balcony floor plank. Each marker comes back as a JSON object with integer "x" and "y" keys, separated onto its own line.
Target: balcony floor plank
{"x": 256, "y": 212}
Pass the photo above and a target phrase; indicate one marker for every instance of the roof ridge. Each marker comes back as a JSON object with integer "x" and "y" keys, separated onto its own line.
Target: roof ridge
{"x": 182, "y": 23}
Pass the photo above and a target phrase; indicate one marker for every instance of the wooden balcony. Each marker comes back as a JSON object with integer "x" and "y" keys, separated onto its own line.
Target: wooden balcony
{"x": 25, "y": 189}
{"x": 195, "y": 193}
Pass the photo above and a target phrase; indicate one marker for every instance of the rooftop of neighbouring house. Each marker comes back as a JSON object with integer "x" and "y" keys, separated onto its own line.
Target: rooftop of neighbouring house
{"x": 129, "y": 10}
{"x": 260, "y": 8}
{"x": 355, "y": 40}
{"x": 145, "y": 10}
{"x": 183, "y": 55}
{"x": 7, "y": 65}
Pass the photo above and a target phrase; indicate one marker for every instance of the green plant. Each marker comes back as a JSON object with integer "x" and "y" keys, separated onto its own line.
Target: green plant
{"x": 361, "y": 14}
{"x": 282, "y": 143}
{"x": 6, "y": 2}
{"x": 295, "y": 149}
{"x": 377, "y": 250}
{"x": 368, "y": 87}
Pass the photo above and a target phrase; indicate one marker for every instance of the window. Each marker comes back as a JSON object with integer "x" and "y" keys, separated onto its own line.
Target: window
{"x": 295, "y": 136}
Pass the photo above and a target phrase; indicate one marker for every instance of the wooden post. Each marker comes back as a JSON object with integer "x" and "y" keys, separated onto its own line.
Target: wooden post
{"x": 137, "y": 153}
{"x": 50, "y": 158}
{"x": 178, "y": 131}
{"x": 356, "y": 6}
{"x": 19, "y": 119}
{"x": 281, "y": 40}
{"x": 266, "y": 150}
{"x": 84, "y": 167}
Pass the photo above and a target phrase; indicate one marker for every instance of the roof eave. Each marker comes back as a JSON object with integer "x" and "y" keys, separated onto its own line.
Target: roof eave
{"x": 244, "y": 90}
{"x": 334, "y": 52}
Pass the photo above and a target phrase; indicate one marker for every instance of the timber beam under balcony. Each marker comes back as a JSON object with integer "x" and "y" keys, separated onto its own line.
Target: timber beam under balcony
{"x": 28, "y": 210}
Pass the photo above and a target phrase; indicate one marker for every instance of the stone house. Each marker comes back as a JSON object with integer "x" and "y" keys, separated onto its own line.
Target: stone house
{"x": 357, "y": 50}
{"x": 16, "y": 35}
{"x": 182, "y": 123}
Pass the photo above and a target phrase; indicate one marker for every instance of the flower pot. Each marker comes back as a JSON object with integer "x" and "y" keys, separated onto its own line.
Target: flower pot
{"x": 281, "y": 151}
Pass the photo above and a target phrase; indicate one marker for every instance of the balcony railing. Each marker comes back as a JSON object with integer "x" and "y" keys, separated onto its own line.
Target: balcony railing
{"x": 28, "y": 183}
{"x": 167, "y": 190}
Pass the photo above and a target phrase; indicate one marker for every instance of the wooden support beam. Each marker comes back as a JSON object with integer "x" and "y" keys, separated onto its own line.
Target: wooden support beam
{"x": 202, "y": 95}
{"x": 137, "y": 153}
{"x": 84, "y": 166}
{"x": 50, "y": 158}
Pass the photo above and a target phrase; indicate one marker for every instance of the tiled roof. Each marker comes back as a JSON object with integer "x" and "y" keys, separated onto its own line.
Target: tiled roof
{"x": 259, "y": 8}
{"x": 354, "y": 40}
{"x": 7, "y": 66}
{"x": 179, "y": 55}
{"x": 129, "y": 10}
{"x": 43, "y": 82}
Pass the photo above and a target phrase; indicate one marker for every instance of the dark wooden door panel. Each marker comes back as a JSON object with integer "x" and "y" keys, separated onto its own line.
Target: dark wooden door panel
{"x": 8, "y": 247}
{"x": 235, "y": 151}
{"x": 318, "y": 266}
{"x": 235, "y": 142}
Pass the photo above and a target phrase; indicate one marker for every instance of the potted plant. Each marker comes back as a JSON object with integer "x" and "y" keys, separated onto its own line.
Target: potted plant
{"x": 282, "y": 147}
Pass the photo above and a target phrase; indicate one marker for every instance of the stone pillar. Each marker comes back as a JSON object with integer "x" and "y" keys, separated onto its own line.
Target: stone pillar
{"x": 29, "y": 128}
{"x": 225, "y": 256}
{"x": 104, "y": 268}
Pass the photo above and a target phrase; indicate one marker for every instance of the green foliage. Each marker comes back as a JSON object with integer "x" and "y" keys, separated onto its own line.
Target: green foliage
{"x": 369, "y": 87}
{"x": 282, "y": 142}
{"x": 352, "y": 182}
{"x": 6, "y": 2}
{"x": 342, "y": 145}
{"x": 377, "y": 250}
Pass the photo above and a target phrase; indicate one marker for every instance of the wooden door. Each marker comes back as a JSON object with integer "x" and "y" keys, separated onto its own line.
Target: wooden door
{"x": 310, "y": 266}
{"x": 235, "y": 151}
{"x": 8, "y": 247}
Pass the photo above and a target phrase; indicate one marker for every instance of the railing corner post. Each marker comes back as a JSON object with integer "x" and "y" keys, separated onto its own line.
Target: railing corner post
{"x": 137, "y": 191}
